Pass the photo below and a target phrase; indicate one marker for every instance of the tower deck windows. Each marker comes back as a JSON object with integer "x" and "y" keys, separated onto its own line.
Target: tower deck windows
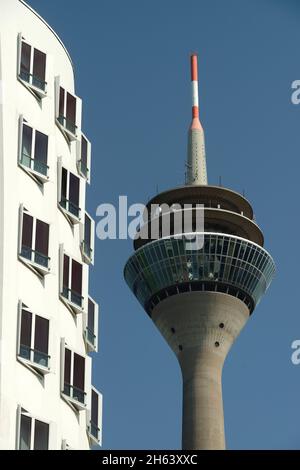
{"x": 194, "y": 218}
{"x": 222, "y": 261}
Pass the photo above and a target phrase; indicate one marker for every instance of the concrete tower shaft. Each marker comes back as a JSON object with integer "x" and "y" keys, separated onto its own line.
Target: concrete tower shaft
{"x": 200, "y": 327}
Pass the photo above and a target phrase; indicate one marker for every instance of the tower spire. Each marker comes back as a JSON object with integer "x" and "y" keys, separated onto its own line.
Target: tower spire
{"x": 196, "y": 159}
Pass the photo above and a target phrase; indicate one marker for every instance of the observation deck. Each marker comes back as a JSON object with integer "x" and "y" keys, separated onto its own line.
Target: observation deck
{"x": 232, "y": 259}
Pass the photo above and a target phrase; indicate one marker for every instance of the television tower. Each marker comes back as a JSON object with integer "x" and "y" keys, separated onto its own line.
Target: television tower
{"x": 200, "y": 296}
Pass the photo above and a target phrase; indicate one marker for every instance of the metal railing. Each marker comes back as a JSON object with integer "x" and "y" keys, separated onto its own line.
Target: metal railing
{"x": 83, "y": 168}
{"x": 67, "y": 124}
{"x": 35, "y": 257}
{"x": 33, "y": 80}
{"x": 70, "y": 207}
{"x": 34, "y": 164}
{"x": 75, "y": 393}
{"x": 87, "y": 250}
{"x": 90, "y": 336}
{"x": 94, "y": 430}
{"x": 72, "y": 296}
{"x": 33, "y": 355}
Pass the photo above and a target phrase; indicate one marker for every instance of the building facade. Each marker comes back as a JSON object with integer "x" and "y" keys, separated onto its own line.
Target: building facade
{"x": 199, "y": 283}
{"x": 48, "y": 321}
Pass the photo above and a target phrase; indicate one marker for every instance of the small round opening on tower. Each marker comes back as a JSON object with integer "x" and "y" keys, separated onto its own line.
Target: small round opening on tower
{"x": 221, "y": 325}
{"x": 217, "y": 344}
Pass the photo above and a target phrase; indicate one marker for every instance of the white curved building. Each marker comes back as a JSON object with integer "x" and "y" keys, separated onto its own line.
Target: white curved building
{"x": 48, "y": 322}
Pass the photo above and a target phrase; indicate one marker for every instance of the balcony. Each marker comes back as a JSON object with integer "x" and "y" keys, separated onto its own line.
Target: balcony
{"x": 75, "y": 395}
{"x": 37, "y": 358}
{"x": 87, "y": 251}
{"x": 83, "y": 169}
{"x": 74, "y": 299}
{"x": 33, "y": 80}
{"x": 90, "y": 338}
{"x": 72, "y": 296}
{"x": 38, "y": 85}
{"x": 68, "y": 126}
{"x": 94, "y": 432}
{"x": 38, "y": 260}
{"x": 38, "y": 168}
{"x": 71, "y": 209}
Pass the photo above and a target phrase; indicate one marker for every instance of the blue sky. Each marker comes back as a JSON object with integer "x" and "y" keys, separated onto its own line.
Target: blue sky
{"x": 132, "y": 72}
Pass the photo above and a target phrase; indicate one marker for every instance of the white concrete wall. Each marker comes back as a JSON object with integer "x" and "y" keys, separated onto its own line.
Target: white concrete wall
{"x": 18, "y": 385}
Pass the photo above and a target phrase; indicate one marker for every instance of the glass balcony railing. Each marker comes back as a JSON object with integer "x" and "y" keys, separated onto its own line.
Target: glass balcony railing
{"x": 90, "y": 336}
{"x": 67, "y": 124}
{"x": 70, "y": 207}
{"x": 224, "y": 260}
{"x": 34, "y": 164}
{"x": 94, "y": 430}
{"x": 35, "y": 256}
{"x": 33, "y": 80}
{"x": 75, "y": 393}
{"x": 83, "y": 168}
{"x": 73, "y": 296}
{"x": 87, "y": 250}
{"x": 34, "y": 356}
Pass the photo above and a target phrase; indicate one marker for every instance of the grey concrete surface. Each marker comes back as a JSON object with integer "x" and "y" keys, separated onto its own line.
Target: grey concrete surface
{"x": 201, "y": 327}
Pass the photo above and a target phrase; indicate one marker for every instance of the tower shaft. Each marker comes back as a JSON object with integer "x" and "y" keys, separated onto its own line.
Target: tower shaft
{"x": 200, "y": 327}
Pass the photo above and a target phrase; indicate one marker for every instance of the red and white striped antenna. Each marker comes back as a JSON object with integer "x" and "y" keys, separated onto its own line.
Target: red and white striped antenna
{"x": 196, "y": 161}
{"x": 194, "y": 79}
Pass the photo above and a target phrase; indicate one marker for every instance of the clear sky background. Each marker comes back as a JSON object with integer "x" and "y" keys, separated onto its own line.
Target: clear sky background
{"x": 132, "y": 71}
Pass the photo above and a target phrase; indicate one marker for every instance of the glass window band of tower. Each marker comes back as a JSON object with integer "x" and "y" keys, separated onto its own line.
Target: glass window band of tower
{"x": 223, "y": 261}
